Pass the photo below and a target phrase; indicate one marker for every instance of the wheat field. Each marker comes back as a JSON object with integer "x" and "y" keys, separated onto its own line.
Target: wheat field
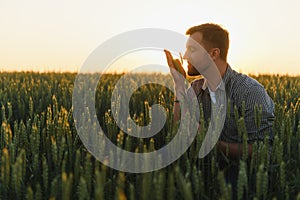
{"x": 42, "y": 157}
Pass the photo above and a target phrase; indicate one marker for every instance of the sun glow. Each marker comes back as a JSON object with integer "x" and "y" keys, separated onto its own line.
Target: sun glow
{"x": 59, "y": 36}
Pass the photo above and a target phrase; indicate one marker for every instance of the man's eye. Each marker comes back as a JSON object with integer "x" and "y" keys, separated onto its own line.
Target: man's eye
{"x": 193, "y": 49}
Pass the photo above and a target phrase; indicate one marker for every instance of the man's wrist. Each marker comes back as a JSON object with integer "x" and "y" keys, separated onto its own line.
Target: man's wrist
{"x": 180, "y": 94}
{"x": 179, "y": 88}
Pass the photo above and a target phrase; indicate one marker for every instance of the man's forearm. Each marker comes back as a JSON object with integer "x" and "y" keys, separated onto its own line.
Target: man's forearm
{"x": 235, "y": 150}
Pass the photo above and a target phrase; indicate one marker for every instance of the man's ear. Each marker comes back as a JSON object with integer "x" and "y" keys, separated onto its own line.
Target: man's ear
{"x": 215, "y": 53}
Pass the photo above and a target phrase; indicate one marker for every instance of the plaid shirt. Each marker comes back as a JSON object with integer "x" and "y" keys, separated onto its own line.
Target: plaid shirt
{"x": 239, "y": 88}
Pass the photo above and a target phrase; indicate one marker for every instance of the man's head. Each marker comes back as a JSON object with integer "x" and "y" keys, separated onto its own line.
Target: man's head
{"x": 213, "y": 39}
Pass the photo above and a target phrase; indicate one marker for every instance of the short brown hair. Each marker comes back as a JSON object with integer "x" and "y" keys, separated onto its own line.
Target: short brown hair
{"x": 214, "y": 36}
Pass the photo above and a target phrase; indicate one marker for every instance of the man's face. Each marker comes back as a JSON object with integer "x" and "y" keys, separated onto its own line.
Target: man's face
{"x": 197, "y": 57}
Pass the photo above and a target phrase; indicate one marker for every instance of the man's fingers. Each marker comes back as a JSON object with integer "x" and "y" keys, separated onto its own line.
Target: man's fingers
{"x": 169, "y": 58}
{"x": 174, "y": 63}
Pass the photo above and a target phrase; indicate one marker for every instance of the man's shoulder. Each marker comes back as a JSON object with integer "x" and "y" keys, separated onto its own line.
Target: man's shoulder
{"x": 245, "y": 88}
{"x": 244, "y": 83}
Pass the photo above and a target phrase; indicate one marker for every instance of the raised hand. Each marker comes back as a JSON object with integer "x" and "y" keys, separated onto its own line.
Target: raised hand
{"x": 174, "y": 64}
{"x": 177, "y": 73}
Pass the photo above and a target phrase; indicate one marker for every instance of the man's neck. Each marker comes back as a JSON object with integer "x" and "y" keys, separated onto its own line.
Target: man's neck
{"x": 222, "y": 67}
{"x": 214, "y": 82}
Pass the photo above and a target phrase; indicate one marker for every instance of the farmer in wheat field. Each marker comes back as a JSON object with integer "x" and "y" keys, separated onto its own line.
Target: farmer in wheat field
{"x": 242, "y": 92}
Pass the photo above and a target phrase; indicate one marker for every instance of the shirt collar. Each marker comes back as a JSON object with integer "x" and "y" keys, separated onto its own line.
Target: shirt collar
{"x": 225, "y": 79}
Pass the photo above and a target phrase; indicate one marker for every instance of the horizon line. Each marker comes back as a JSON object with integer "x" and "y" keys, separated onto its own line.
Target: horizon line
{"x": 120, "y": 73}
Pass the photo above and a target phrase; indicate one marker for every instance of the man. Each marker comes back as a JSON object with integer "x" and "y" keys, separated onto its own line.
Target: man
{"x": 206, "y": 55}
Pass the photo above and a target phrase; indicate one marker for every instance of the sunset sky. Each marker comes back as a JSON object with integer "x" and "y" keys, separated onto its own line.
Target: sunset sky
{"x": 60, "y": 35}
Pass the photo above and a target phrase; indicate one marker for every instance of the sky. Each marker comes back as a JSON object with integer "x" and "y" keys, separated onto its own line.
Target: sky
{"x": 60, "y": 35}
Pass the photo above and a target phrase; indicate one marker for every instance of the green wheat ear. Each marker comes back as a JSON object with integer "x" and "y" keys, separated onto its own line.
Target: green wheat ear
{"x": 176, "y": 64}
{"x": 183, "y": 184}
{"x": 82, "y": 190}
{"x": 99, "y": 184}
{"x": 242, "y": 180}
{"x": 131, "y": 192}
{"x": 67, "y": 182}
{"x": 45, "y": 174}
{"x": 5, "y": 170}
{"x": 38, "y": 192}
{"x": 29, "y": 193}
{"x": 224, "y": 187}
